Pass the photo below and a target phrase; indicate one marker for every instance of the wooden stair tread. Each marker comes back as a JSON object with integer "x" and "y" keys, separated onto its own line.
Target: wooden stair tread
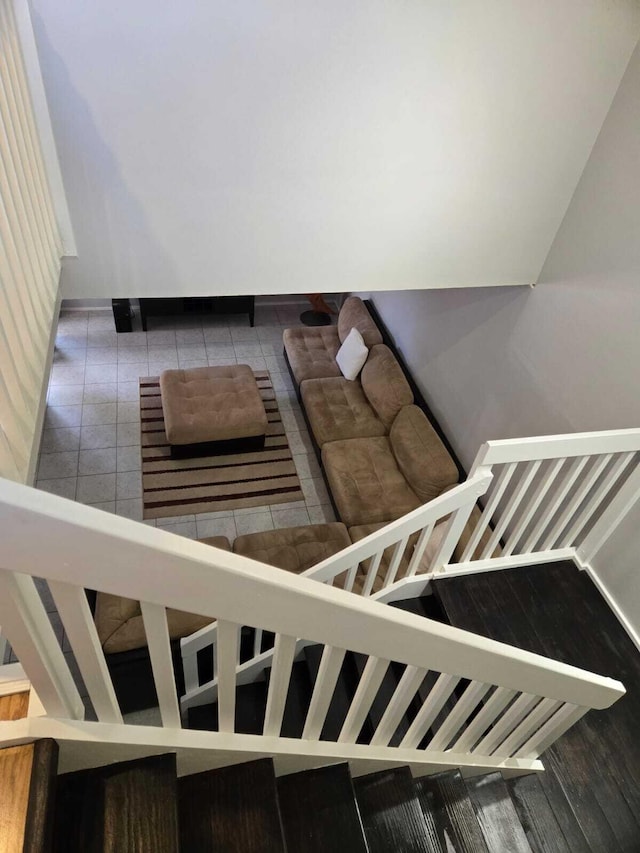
{"x": 233, "y": 808}
{"x": 444, "y": 796}
{"x": 79, "y": 813}
{"x": 27, "y": 790}
{"x": 319, "y": 811}
{"x": 526, "y": 607}
{"x": 40, "y": 817}
{"x": 140, "y": 805}
{"x": 497, "y": 814}
{"x": 426, "y": 606}
{"x": 128, "y": 806}
{"x": 15, "y": 781}
{"x": 391, "y": 814}
{"x": 538, "y": 818}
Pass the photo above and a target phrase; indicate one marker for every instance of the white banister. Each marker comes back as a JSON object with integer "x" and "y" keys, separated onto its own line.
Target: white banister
{"x": 85, "y": 547}
{"x": 545, "y": 500}
{"x": 197, "y": 578}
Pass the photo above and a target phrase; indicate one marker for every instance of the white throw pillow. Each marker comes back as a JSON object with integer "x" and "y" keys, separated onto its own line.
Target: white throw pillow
{"x": 352, "y": 355}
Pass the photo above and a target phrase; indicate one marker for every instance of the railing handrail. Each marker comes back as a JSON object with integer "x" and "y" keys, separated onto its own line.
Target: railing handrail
{"x": 57, "y": 539}
{"x": 556, "y": 446}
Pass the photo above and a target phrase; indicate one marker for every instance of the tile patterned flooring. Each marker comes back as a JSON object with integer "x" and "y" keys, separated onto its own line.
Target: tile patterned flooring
{"x": 90, "y": 449}
{"x": 91, "y": 441}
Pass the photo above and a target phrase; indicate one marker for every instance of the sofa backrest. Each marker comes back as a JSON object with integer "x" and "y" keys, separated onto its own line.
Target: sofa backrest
{"x": 354, "y": 314}
{"x": 420, "y": 454}
{"x": 384, "y": 384}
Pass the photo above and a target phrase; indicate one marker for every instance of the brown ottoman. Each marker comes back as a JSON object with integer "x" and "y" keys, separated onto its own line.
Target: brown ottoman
{"x": 211, "y": 410}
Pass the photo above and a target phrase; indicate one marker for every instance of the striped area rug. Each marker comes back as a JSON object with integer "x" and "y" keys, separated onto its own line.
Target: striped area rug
{"x": 213, "y": 483}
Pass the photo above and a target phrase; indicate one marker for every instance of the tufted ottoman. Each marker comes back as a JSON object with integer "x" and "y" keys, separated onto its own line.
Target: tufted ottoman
{"x": 210, "y": 410}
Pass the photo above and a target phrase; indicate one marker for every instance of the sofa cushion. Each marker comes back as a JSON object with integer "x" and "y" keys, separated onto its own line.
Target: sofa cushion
{"x": 421, "y": 456}
{"x": 312, "y": 352}
{"x": 365, "y": 481}
{"x": 354, "y": 315}
{"x": 294, "y": 549}
{"x": 352, "y": 355}
{"x": 384, "y": 384}
{"x": 119, "y": 620}
{"x": 337, "y": 409}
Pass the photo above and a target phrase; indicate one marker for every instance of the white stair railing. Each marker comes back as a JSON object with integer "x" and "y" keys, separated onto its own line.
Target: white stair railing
{"x": 404, "y": 549}
{"x": 481, "y": 704}
{"x": 552, "y": 498}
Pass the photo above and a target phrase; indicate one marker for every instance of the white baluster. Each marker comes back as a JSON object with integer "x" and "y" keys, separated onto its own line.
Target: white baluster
{"x": 506, "y": 724}
{"x": 323, "y": 690}
{"x": 484, "y": 719}
{"x": 73, "y": 607}
{"x": 370, "y": 682}
{"x": 433, "y": 704}
{"x": 457, "y": 717}
{"x": 532, "y": 505}
{"x": 284, "y": 653}
{"x": 157, "y": 631}
{"x": 527, "y": 727}
{"x": 227, "y": 656}
{"x": 407, "y": 687}
{"x": 494, "y": 499}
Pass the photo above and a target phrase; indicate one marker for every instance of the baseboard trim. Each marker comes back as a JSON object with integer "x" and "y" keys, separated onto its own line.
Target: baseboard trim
{"x": 634, "y": 636}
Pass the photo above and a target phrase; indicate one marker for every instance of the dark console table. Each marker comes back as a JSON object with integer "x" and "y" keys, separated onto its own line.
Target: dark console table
{"x": 197, "y": 305}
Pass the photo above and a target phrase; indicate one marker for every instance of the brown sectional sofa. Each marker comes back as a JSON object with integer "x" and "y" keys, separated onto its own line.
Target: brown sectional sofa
{"x": 381, "y": 458}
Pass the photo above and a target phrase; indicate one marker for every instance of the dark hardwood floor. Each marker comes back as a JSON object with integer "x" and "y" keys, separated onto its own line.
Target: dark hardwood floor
{"x": 591, "y": 787}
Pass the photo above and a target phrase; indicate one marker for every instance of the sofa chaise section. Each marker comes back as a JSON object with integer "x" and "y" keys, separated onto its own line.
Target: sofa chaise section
{"x": 375, "y": 480}
{"x": 311, "y": 352}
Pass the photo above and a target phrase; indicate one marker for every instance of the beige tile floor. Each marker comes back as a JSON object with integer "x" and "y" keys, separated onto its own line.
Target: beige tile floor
{"x": 90, "y": 449}
{"x": 91, "y": 441}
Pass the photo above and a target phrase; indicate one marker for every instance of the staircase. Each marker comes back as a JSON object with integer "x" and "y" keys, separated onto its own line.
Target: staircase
{"x": 143, "y": 806}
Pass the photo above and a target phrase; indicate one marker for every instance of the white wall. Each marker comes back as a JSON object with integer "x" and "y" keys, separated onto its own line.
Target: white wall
{"x": 229, "y": 146}
{"x": 562, "y": 357}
